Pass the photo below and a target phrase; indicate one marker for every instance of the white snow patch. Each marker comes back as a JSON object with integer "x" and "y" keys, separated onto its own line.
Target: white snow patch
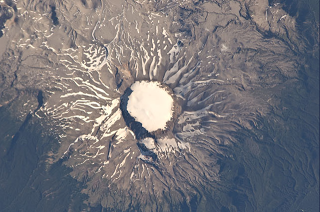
{"x": 224, "y": 48}
{"x": 150, "y": 105}
{"x": 148, "y": 142}
{"x": 184, "y": 145}
{"x": 170, "y": 144}
{"x": 166, "y": 143}
{"x": 122, "y": 133}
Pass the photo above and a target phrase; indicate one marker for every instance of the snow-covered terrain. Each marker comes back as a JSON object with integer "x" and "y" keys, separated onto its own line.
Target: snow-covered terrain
{"x": 150, "y": 105}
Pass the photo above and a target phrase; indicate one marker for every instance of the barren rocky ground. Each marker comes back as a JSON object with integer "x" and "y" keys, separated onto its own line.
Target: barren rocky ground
{"x": 243, "y": 75}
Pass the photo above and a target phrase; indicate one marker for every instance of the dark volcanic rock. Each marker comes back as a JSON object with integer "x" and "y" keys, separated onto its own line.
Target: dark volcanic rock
{"x": 6, "y": 13}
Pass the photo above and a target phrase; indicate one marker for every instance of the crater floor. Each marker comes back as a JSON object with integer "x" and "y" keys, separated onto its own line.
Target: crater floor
{"x": 150, "y": 104}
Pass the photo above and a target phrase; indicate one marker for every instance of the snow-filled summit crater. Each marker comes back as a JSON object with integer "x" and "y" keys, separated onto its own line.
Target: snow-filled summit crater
{"x": 150, "y": 104}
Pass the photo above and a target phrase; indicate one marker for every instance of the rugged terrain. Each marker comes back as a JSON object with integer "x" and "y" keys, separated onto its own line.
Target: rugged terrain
{"x": 66, "y": 65}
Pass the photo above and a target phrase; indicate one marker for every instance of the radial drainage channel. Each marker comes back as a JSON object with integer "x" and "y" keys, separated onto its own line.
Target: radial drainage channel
{"x": 149, "y": 110}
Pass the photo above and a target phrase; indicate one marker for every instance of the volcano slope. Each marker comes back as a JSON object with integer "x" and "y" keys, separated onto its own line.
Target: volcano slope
{"x": 221, "y": 63}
